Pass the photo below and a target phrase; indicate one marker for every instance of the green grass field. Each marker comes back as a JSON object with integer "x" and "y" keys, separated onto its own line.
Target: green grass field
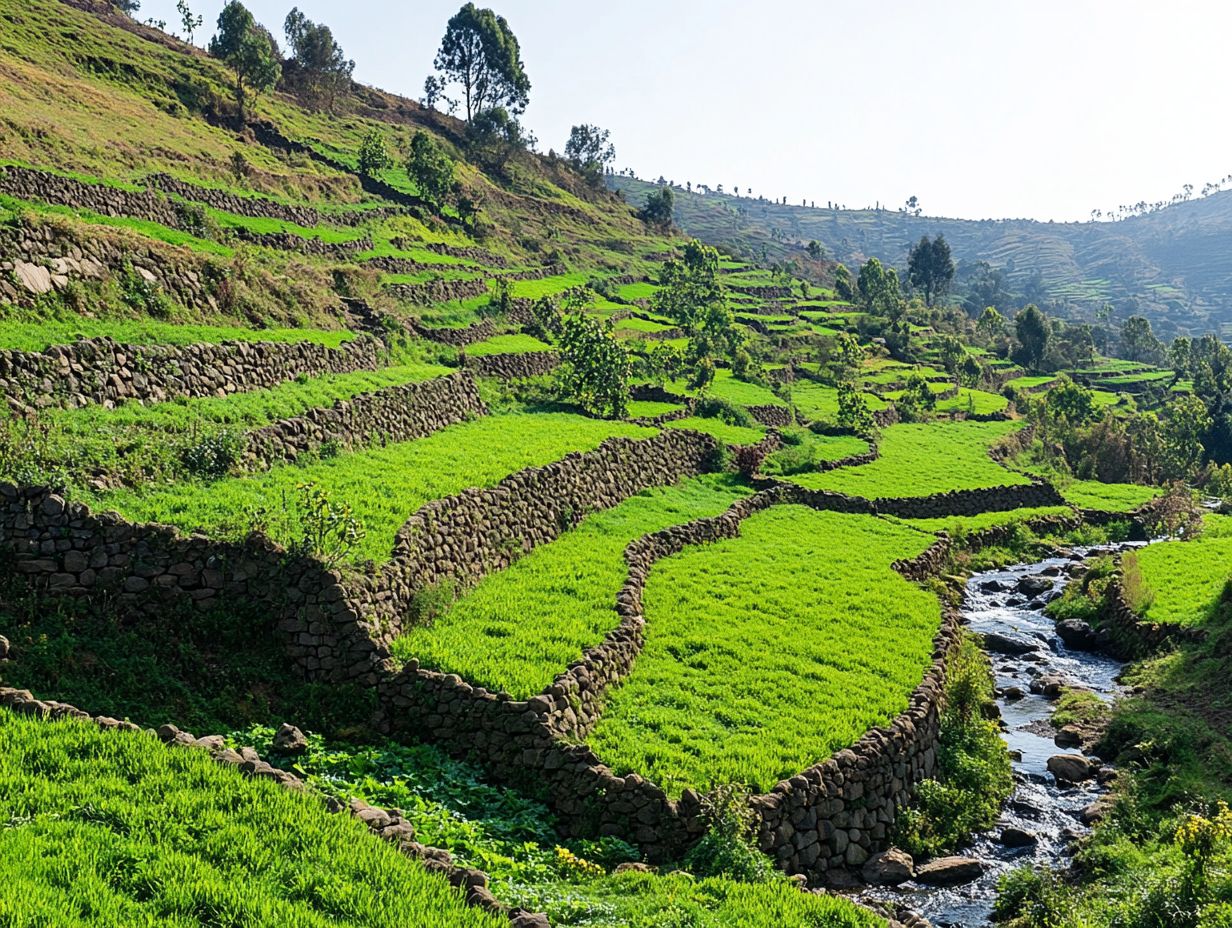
{"x": 723, "y": 431}
{"x": 769, "y": 652}
{"x": 1106, "y": 497}
{"x": 728, "y": 387}
{"x": 819, "y": 403}
{"x": 1183, "y": 582}
{"x": 804, "y": 450}
{"x": 958, "y": 525}
{"x": 28, "y": 335}
{"x": 648, "y": 409}
{"x": 922, "y": 459}
{"x": 410, "y": 474}
{"x": 979, "y": 402}
{"x": 521, "y": 627}
{"x": 114, "y": 829}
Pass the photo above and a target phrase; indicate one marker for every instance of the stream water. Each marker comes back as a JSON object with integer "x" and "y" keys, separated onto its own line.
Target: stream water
{"x": 1042, "y": 817}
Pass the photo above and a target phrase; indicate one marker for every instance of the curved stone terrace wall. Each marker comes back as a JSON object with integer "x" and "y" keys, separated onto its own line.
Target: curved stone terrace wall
{"x": 314, "y": 247}
{"x": 439, "y": 291}
{"x": 458, "y": 337}
{"x": 399, "y": 413}
{"x": 100, "y": 370}
{"x": 515, "y": 366}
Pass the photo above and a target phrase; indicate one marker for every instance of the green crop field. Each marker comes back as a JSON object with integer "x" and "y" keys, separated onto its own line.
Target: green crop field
{"x": 958, "y": 525}
{"x": 767, "y": 653}
{"x": 804, "y": 450}
{"x": 979, "y": 402}
{"x": 818, "y": 402}
{"x": 471, "y": 454}
{"x": 728, "y": 387}
{"x": 520, "y": 628}
{"x": 1106, "y": 497}
{"x": 30, "y": 335}
{"x": 648, "y": 409}
{"x": 114, "y": 829}
{"x": 723, "y": 431}
{"x": 922, "y": 459}
{"x": 142, "y": 443}
{"x": 1182, "y": 582}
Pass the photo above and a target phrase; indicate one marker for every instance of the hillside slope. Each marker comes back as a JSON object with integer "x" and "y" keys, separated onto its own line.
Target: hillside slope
{"x": 1173, "y": 265}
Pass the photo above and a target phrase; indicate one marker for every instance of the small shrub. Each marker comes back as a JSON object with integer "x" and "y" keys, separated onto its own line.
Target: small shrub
{"x": 213, "y": 455}
{"x": 1138, "y": 593}
{"x": 143, "y": 295}
{"x": 727, "y": 847}
{"x": 430, "y": 602}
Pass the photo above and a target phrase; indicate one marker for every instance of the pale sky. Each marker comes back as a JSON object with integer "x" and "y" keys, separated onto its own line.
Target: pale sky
{"x": 1046, "y": 109}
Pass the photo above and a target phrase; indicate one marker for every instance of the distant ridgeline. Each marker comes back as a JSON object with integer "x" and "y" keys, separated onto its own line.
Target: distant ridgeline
{"x": 1172, "y": 266}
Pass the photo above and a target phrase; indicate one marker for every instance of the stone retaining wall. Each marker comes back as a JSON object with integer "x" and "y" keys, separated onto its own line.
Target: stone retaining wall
{"x": 314, "y": 247}
{"x": 439, "y": 291}
{"x": 258, "y": 207}
{"x": 771, "y": 415}
{"x": 65, "y": 549}
{"x": 37, "y": 259}
{"x": 100, "y": 370}
{"x": 458, "y": 337}
{"x": 31, "y": 184}
{"x": 513, "y": 366}
{"x": 458, "y": 540}
{"x": 1133, "y": 636}
{"x": 400, "y": 413}
{"x": 972, "y": 502}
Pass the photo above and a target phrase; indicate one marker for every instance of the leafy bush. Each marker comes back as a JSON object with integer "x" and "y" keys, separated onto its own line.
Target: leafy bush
{"x": 727, "y": 848}
{"x": 143, "y": 295}
{"x": 213, "y": 455}
{"x": 973, "y": 768}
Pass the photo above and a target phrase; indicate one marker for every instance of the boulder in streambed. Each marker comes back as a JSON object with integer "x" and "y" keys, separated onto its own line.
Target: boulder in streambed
{"x": 1070, "y": 768}
{"x": 949, "y": 871}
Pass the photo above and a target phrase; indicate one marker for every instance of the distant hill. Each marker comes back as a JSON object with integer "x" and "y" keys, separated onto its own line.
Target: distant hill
{"x": 1175, "y": 265}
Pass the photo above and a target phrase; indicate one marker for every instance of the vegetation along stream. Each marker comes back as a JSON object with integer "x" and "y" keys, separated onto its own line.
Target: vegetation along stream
{"x": 1057, "y": 786}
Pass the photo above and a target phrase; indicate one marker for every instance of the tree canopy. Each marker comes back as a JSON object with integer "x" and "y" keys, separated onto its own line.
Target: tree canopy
{"x": 248, "y": 50}
{"x": 930, "y": 267}
{"x": 589, "y": 151}
{"x": 320, "y": 67}
{"x": 1033, "y": 331}
{"x": 660, "y": 207}
{"x": 481, "y": 53}
{"x": 430, "y": 168}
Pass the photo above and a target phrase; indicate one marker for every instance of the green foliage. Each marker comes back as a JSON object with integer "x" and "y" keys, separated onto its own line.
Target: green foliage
{"x": 248, "y": 50}
{"x": 112, "y": 828}
{"x": 853, "y": 412}
{"x": 142, "y": 295}
{"x": 659, "y": 209}
{"x": 1034, "y": 332}
{"x": 803, "y": 451}
{"x": 374, "y": 156}
{"x": 321, "y": 69}
{"x": 589, "y": 151}
{"x": 879, "y": 289}
{"x": 1182, "y": 582}
{"x": 520, "y": 628}
{"x": 973, "y": 768}
{"x": 430, "y": 169}
{"x": 481, "y": 53}
{"x": 727, "y": 848}
{"x": 709, "y": 702}
{"x": 930, "y": 267}
{"x": 213, "y": 455}
{"x": 843, "y": 288}
{"x": 595, "y": 368}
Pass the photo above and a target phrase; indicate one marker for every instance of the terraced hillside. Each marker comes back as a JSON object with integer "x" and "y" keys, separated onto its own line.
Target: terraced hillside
{"x": 1170, "y": 265}
{"x": 510, "y": 559}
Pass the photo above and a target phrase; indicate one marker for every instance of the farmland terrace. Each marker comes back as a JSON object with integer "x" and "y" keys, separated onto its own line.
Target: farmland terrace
{"x": 468, "y": 574}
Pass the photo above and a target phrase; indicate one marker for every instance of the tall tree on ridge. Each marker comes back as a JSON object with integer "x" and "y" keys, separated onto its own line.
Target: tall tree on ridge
{"x": 480, "y": 52}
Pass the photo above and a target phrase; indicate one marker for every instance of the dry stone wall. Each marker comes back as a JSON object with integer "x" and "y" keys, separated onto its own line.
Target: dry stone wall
{"x": 458, "y": 337}
{"x": 37, "y": 259}
{"x": 400, "y": 413}
{"x": 314, "y": 247}
{"x": 263, "y": 208}
{"x": 438, "y": 291}
{"x": 513, "y": 366}
{"x": 30, "y": 184}
{"x": 100, "y": 370}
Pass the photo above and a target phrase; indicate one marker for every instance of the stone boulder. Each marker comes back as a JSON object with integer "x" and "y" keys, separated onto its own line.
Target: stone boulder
{"x": 1070, "y": 768}
{"x": 1077, "y": 635}
{"x": 889, "y": 868}
{"x": 949, "y": 871}
{"x": 1068, "y": 737}
{"x": 1034, "y": 586}
{"x": 1012, "y": 836}
{"x": 290, "y": 740}
{"x": 1012, "y": 645}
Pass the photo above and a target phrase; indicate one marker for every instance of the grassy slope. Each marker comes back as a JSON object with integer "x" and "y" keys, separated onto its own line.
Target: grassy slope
{"x": 113, "y": 829}
{"x": 1183, "y": 582}
{"x": 767, "y": 653}
{"x": 918, "y": 460}
{"x": 410, "y": 474}
{"x": 520, "y": 628}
